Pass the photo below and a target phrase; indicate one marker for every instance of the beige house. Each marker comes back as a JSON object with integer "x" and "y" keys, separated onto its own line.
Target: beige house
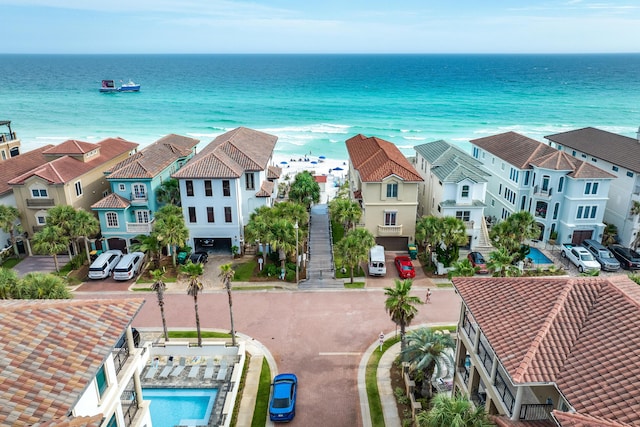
{"x": 74, "y": 176}
{"x": 9, "y": 142}
{"x": 385, "y": 184}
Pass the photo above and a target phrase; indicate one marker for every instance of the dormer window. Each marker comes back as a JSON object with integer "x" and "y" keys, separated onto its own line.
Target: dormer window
{"x": 465, "y": 191}
{"x": 392, "y": 189}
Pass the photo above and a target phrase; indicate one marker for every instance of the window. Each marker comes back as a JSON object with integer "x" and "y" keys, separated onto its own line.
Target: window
{"x": 463, "y": 215}
{"x": 42, "y": 220}
{"x": 493, "y": 202}
{"x": 101, "y": 380}
{"x": 614, "y": 168}
{"x": 514, "y": 174}
{"x": 390, "y": 217}
{"x": 208, "y": 191}
{"x": 573, "y": 153}
{"x": 189, "y": 185}
{"x": 121, "y": 187}
{"x": 210, "y": 217}
{"x": 465, "y": 191}
{"x": 249, "y": 177}
{"x": 476, "y": 152}
{"x": 226, "y": 188}
{"x": 39, "y": 192}
{"x": 580, "y": 209}
{"x": 192, "y": 214}
{"x": 541, "y": 209}
{"x": 112, "y": 422}
{"x": 523, "y": 203}
{"x": 545, "y": 182}
{"x": 556, "y": 207}
{"x": 560, "y": 184}
{"x": 142, "y": 217}
{"x": 593, "y": 211}
{"x": 630, "y": 174}
{"x": 139, "y": 191}
{"x": 526, "y": 178}
{"x": 591, "y": 188}
{"x": 227, "y": 214}
{"x": 105, "y": 193}
{"x": 392, "y": 190}
{"x": 78, "y": 187}
{"x": 585, "y": 212}
{"x": 112, "y": 219}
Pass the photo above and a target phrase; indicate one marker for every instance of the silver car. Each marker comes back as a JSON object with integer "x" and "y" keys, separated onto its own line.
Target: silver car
{"x": 607, "y": 261}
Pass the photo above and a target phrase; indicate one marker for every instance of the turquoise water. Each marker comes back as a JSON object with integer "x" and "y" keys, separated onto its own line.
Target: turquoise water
{"x": 316, "y": 102}
{"x": 180, "y": 406}
{"x": 538, "y": 257}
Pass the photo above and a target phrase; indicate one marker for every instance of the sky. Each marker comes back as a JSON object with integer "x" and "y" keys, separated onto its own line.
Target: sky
{"x": 319, "y": 26}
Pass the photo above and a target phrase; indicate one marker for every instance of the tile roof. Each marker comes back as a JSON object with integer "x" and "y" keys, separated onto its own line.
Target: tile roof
{"x": 18, "y": 165}
{"x": 376, "y": 159}
{"x": 523, "y": 152}
{"x": 266, "y": 189}
{"x": 230, "y": 155}
{"x": 617, "y": 149}
{"x": 112, "y": 201}
{"x": 50, "y": 350}
{"x": 578, "y": 332}
{"x": 66, "y": 168}
{"x": 72, "y": 147}
{"x": 274, "y": 172}
{"x": 451, "y": 164}
{"x": 153, "y": 159}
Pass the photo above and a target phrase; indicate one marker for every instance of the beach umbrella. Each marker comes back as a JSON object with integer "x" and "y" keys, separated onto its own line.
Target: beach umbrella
{"x": 314, "y": 162}
{"x": 322, "y": 157}
{"x": 338, "y": 169}
{"x": 283, "y": 162}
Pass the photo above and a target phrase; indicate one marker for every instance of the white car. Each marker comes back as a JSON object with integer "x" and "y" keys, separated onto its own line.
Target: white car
{"x": 129, "y": 266}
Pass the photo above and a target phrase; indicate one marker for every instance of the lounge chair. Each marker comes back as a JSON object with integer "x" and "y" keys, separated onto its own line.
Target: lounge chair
{"x": 208, "y": 372}
{"x": 178, "y": 370}
{"x": 222, "y": 373}
{"x": 151, "y": 372}
{"x": 194, "y": 371}
{"x": 166, "y": 371}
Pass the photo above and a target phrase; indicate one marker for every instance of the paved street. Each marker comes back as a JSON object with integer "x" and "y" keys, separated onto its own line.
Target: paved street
{"x": 319, "y": 335}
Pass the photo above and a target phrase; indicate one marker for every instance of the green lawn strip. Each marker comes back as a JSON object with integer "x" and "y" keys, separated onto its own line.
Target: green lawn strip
{"x": 194, "y": 334}
{"x": 251, "y": 288}
{"x": 337, "y": 231}
{"x": 357, "y": 272}
{"x": 371, "y": 381}
{"x": 11, "y": 262}
{"x": 444, "y": 285}
{"x": 244, "y": 271}
{"x": 150, "y": 281}
{"x": 141, "y": 289}
{"x": 262, "y": 399}
{"x": 354, "y": 285}
{"x": 243, "y": 381}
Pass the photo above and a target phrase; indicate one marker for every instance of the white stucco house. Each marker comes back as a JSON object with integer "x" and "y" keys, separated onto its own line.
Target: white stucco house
{"x": 223, "y": 184}
{"x": 567, "y": 196}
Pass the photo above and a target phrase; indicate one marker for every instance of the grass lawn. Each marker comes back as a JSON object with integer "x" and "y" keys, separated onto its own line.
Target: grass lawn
{"x": 354, "y": 285}
{"x": 262, "y": 399}
{"x": 244, "y": 271}
{"x": 194, "y": 334}
{"x": 11, "y": 262}
{"x": 371, "y": 381}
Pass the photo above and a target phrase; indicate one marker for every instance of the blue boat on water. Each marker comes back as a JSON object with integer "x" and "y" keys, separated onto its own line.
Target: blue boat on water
{"x": 110, "y": 86}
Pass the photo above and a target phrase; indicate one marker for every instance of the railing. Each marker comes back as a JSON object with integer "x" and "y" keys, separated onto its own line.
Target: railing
{"x": 138, "y": 198}
{"x": 539, "y": 191}
{"x": 7, "y": 136}
{"x": 390, "y": 230}
{"x": 485, "y": 356}
{"x": 536, "y": 411}
{"x": 129, "y": 406}
{"x": 504, "y": 392}
{"x": 139, "y": 227}
{"x": 479, "y": 398}
{"x": 120, "y": 357}
{"x": 468, "y": 327}
{"x": 40, "y": 203}
{"x": 465, "y": 373}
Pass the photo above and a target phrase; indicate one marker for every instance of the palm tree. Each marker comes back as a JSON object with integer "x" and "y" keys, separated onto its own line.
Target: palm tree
{"x": 158, "y": 286}
{"x": 501, "y": 263}
{"x": 453, "y": 234}
{"x": 227, "y": 273}
{"x": 63, "y": 216}
{"x": 9, "y": 217}
{"x": 169, "y": 192}
{"x": 8, "y": 283}
{"x": 85, "y": 225}
{"x": 304, "y": 189}
{"x": 401, "y": 306}
{"x": 44, "y": 286}
{"x": 149, "y": 243}
{"x": 282, "y": 238}
{"x": 511, "y": 234}
{"x": 463, "y": 268}
{"x": 194, "y": 271}
{"x": 354, "y": 247}
{"x": 346, "y": 212}
{"x": 173, "y": 232}
{"x": 456, "y": 411}
{"x": 257, "y": 228}
{"x": 609, "y": 234}
{"x": 51, "y": 240}
{"x": 426, "y": 352}
{"x": 427, "y": 233}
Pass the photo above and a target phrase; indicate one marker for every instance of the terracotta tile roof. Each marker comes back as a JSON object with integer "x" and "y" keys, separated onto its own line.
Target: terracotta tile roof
{"x": 72, "y": 147}
{"x": 376, "y": 159}
{"x": 274, "y": 172}
{"x": 50, "y": 350}
{"x": 580, "y": 333}
{"x": 522, "y": 152}
{"x": 230, "y": 155}
{"x": 153, "y": 159}
{"x": 503, "y": 421}
{"x": 112, "y": 201}
{"x": 18, "y": 165}
{"x": 94, "y": 421}
{"x": 266, "y": 189}
{"x": 569, "y": 419}
{"x": 320, "y": 179}
{"x": 67, "y": 168}
{"x": 617, "y": 149}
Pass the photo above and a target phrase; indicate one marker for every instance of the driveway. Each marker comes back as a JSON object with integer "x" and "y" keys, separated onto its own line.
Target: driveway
{"x": 39, "y": 264}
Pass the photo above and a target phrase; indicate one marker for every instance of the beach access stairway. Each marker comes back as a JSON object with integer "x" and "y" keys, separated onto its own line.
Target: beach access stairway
{"x": 320, "y": 266}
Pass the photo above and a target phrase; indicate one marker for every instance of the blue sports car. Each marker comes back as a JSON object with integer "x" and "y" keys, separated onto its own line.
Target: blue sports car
{"x": 283, "y": 400}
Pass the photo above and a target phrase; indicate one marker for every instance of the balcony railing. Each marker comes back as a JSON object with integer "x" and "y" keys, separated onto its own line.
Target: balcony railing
{"x": 536, "y": 411}
{"x": 537, "y": 190}
{"x": 40, "y": 203}
{"x": 504, "y": 392}
{"x": 139, "y": 227}
{"x": 485, "y": 356}
{"x": 120, "y": 356}
{"x": 129, "y": 406}
{"x": 138, "y": 198}
{"x": 469, "y": 328}
{"x": 390, "y": 230}
{"x": 7, "y": 136}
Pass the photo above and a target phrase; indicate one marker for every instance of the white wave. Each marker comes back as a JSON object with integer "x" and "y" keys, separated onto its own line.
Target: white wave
{"x": 415, "y": 138}
{"x": 314, "y": 128}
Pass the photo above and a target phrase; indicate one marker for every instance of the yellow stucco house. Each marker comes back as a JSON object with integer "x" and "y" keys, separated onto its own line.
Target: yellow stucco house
{"x": 385, "y": 184}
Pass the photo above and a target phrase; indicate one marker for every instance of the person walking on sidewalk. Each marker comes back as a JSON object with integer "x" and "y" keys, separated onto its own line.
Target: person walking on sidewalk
{"x": 428, "y": 298}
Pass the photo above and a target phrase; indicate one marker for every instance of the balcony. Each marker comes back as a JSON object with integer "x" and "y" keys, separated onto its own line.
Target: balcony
{"x": 120, "y": 356}
{"x": 139, "y": 227}
{"x": 539, "y": 191}
{"x": 40, "y": 203}
{"x": 390, "y": 230}
{"x": 138, "y": 199}
{"x": 129, "y": 406}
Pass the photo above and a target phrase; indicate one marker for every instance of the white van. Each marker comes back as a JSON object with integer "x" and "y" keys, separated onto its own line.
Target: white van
{"x": 128, "y": 266}
{"x": 377, "y": 266}
{"x": 102, "y": 267}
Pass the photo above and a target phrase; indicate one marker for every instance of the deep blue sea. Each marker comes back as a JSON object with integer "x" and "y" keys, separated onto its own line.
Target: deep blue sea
{"x": 316, "y": 102}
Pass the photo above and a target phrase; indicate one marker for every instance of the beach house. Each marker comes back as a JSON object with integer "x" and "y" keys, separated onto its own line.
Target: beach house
{"x": 129, "y": 209}
{"x": 620, "y": 156}
{"x": 550, "y": 351}
{"x": 9, "y": 142}
{"x": 567, "y": 196}
{"x": 73, "y": 175}
{"x": 223, "y": 184}
{"x": 71, "y": 363}
{"x": 454, "y": 185}
{"x": 385, "y": 184}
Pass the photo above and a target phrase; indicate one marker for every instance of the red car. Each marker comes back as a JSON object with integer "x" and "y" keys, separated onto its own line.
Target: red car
{"x": 405, "y": 267}
{"x": 478, "y": 261}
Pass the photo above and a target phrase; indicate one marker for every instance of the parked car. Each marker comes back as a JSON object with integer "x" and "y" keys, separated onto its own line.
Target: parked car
{"x": 128, "y": 266}
{"x": 199, "y": 257}
{"x": 282, "y": 407}
{"x": 478, "y": 261}
{"x": 629, "y": 259}
{"x": 405, "y": 267}
{"x": 603, "y": 255}
{"x": 103, "y": 266}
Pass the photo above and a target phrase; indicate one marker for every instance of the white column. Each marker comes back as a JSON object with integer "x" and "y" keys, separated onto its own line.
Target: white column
{"x": 515, "y": 416}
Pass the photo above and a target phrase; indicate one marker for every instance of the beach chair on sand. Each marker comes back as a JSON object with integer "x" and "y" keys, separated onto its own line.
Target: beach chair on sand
{"x": 167, "y": 370}
{"x": 178, "y": 370}
{"x": 208, "y": 372}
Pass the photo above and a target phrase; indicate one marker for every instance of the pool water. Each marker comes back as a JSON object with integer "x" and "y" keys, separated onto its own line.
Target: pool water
{"x": 538, "y": 257}
{"x": 180, "y": 406}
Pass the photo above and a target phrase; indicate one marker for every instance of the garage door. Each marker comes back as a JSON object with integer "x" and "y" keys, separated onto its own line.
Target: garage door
{"x": 115, "y": 243}
{"x": 580, "y": 236}
{"x": 396, "y": 244}
{"x": 213, "y": 245}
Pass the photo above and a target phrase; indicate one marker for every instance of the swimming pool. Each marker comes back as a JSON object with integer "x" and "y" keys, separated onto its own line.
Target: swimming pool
{"x": 180, "y": 406}
{"x": 538, "y": 257}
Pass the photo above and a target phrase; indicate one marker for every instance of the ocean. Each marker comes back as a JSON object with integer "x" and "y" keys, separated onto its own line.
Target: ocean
{"x": 313, "y": 103}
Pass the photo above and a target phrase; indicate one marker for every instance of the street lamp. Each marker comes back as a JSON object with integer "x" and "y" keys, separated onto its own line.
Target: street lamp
{"x": 296, "y": 228}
